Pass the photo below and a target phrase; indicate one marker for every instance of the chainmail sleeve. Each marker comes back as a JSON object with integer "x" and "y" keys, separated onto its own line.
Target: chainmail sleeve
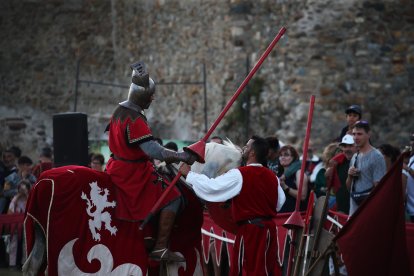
{"x": 156, "y": 151}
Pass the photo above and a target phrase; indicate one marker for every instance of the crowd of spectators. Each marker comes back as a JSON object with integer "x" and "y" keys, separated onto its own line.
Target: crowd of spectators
{"x": 348, "y": 170}
{"x": 17, "y": 177}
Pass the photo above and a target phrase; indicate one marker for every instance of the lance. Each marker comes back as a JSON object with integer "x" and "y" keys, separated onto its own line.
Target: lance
{"x": 198, "y": 148}
{"x": 295, "y": 221}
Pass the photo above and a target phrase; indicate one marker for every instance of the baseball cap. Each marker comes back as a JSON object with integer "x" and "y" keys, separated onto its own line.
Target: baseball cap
{"x": 347, "y": 140}
{"x": 354, "y": 109}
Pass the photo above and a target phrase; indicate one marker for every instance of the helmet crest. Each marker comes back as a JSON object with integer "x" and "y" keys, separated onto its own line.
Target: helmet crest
{"x": 140, "y": 76}
{"x": 142, "y": 88}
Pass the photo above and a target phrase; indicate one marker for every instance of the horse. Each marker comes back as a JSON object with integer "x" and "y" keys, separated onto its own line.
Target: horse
{"x": 70, "y": 227}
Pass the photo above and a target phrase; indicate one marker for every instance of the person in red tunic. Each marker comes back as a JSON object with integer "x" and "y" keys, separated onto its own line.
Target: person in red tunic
{"x": 254, "y": 190}
{"x": 138, "y": 185}
{"x": 45, "y": 162}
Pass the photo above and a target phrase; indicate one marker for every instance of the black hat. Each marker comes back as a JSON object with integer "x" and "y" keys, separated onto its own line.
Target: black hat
{"x": 354, "y": 109}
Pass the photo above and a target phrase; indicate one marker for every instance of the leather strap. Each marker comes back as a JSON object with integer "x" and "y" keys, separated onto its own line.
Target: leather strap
{"x": 129, "y": 161}
{"x": 256, "y": 221}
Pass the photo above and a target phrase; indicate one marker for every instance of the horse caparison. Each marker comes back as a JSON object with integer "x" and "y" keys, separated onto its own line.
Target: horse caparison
{"x": 51, "y": 190}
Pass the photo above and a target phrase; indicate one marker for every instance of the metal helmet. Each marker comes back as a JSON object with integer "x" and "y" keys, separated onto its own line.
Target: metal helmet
{"x": 142, "y": 87}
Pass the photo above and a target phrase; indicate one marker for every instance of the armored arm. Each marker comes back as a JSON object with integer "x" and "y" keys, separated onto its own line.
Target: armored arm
{"x": 156, "y": 151}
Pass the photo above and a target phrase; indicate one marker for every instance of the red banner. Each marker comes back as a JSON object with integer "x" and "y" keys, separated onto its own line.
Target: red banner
{"x": 373, "y": 241}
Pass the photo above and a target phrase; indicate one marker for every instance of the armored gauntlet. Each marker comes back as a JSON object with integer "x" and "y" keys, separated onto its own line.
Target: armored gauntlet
{"x": 170, "y": 156}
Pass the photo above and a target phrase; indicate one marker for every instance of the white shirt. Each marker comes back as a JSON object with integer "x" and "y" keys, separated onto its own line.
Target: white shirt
{"x": 224, "y": 187}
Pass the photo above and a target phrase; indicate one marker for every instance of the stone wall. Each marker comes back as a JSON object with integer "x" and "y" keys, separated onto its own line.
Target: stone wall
{"x": 343, "y": 52}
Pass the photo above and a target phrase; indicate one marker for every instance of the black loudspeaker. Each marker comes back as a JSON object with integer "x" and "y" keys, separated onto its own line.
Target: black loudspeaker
{"x": 70, "y": 139}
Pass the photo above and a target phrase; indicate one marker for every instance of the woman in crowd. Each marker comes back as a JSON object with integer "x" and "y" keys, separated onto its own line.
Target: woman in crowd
{"x": 18, "y": 206}
{"x": 390, "y": 154}
{"x": 97, "y": 162}
{"x": 318, "y": 175}
{"x": 289, "y": 181}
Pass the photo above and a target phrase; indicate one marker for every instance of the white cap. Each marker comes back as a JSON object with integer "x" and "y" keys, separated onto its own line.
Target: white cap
{"x": 347, "y": 140}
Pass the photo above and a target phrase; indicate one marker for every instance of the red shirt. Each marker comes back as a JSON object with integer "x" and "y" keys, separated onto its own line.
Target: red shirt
{"x": 258, "y": 196}
{"x": 138, "y": 185}
{"x": 256, "y": 246}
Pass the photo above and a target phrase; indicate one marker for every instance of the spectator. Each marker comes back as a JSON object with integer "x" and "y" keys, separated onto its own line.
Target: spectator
{"x": 7, "y": 167}
{"x": 45, "y": 162}
{"x": 273, "y": 155}
{"x": 13, "y": 175}
{"x": 338, "y": 170}
{"x": 254, "y": 192}
{"x": 18, "y": 205}
{"x": 216, "y": 139}
{"x": 289, "y": 181}
{"x": 17, "y": 151}
{"x": 8, "y": 164}
{"x": 353, "y": 114}
{"x": 9, "y": 161}
{"x": 367, "y": 166}
{"x": 24, "y": 172}
{"x": 318, "y": 174}
{"x": 311, "y": 161}
{"x": 408, "y": 171}
{"x": 2, "y": 171}
{"x": 172, "y": 146}
{"x": 390, "y": 154}
{"x": 97, "y": 162}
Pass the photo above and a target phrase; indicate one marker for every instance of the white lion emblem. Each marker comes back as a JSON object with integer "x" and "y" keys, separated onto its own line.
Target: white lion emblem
{"x": 100, "y": 202}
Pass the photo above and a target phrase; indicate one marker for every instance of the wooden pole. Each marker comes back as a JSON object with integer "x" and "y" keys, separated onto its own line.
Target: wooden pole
{"x": 295, "y": 220}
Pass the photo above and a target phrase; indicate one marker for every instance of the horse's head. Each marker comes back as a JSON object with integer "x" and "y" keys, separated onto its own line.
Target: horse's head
{"x": 219, "y": 158}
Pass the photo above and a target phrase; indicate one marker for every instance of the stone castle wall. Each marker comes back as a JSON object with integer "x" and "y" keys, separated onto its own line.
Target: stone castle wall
{"x": 343, "y": 52}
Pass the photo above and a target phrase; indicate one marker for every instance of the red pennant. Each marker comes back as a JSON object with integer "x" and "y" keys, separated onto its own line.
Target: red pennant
{"x": 229, "y": 246}
{"x": 218, "y": 246}
{"x": 281, "y": 241}
{"x": 205, "y": 244}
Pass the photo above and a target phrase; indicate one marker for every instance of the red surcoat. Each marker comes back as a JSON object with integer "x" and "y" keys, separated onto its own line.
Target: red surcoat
{"x": 138, "y": 185}
{"x": 255, "y": 248}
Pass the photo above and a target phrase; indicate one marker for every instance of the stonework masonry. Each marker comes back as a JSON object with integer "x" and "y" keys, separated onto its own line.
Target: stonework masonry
{"x": 343, "y": 52}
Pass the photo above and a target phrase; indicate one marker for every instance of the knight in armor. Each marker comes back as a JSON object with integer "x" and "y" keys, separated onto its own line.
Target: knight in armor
{"x": 138, "y": 185}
